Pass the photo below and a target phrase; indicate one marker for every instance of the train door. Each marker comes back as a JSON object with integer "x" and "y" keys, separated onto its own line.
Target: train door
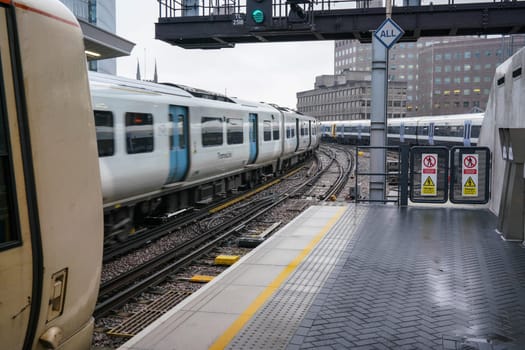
{"x": 298, "y": 133}
{"x": 179, "y": 140}
{"x": 309, "y": 133}
{"x": 253, "y": 138}
{"x": 401, "y": 133}
{"x": 467, "y": 133}
{"x": 21, "y": 254}
{"x": 431, "y": 134}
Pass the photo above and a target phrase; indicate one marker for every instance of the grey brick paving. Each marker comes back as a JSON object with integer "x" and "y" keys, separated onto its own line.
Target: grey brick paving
{"x": 412, "y": 278}
{"x": 408, "y": 279}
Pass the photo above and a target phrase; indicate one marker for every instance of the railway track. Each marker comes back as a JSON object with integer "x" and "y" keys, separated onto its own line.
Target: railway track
{"x": 176, "y": 221}
{"x": 253, "y": 216}
{"x": 119, "y": 290}
{"x": 338, "y": 162}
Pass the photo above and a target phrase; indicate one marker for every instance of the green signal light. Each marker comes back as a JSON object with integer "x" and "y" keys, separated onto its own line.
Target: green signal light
{"x": 258, "y": 16}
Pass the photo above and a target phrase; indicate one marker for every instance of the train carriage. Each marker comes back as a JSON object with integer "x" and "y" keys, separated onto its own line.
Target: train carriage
{"x": 50, "y": 198}
{"x": 169, "y": 147}
{"x": 448, "y": 130}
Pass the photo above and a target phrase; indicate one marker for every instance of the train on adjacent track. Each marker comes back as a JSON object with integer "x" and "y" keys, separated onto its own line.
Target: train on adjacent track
{"x": 445, "y": 130}
{"x": 164, "y": 148}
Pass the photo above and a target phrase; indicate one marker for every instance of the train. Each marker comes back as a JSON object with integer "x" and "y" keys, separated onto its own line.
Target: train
{"x": 167, "y": 148}
{"x": 445, "y": 130}
{"x": 51, "y": 213}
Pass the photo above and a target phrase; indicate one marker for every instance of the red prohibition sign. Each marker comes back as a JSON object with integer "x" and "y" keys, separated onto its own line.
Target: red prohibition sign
{"x": 470, "y": 162}
{"x": 429, "y": 161}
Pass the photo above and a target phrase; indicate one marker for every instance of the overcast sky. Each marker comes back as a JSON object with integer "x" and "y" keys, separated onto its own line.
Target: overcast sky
{"x": 260, "y": 72}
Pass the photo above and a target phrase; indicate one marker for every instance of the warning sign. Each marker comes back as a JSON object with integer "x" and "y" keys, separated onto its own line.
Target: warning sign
{"x": 429, "y": 187}
{"x": 429, "y": 163}
{"x": 469, "y": 177}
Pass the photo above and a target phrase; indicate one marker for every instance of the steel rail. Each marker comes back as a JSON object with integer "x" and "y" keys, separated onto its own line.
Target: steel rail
{"x": 158, "y": 268}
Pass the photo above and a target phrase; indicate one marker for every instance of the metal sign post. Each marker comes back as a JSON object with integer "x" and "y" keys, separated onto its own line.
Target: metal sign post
{"x": 384, "y": 37}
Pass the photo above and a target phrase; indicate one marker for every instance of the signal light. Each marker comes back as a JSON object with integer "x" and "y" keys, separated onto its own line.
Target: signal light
{"x": 258, "y": 16}
{"x": 259, "y": 12}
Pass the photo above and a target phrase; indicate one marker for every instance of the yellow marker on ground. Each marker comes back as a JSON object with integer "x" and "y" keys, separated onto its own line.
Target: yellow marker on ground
{"x": 227, "y": 260}
{"x": 201, "y": 278}
{"x": 223, "y": 341}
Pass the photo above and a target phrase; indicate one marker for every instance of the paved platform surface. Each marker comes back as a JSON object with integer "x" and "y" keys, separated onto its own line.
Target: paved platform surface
{"x": 381, "y": 277}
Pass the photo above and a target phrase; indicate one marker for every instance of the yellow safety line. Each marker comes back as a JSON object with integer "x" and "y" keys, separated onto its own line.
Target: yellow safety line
{"x": 244, "y": 196}
{"x": 249, "y": 194}
{"x": 239, "y": 323}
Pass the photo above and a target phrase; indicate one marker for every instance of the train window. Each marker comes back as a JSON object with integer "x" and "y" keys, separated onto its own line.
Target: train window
{"x": 393, "y": 130}
{"x": 105, "y": 133}
{"x": 288, "y": 132}
{"x": 8, "y": 232}
{"x": 304, "y": 131}
{"x": 410, "y": 130}
{"x": 276, "y": 133}
{"x": 179, "y": 125}
{"x": 180, "y": 129}
{"x": 293, "y": 133}
{"x": 443, "y": 130}
{"x": 474, "y": 132}
{"x": 267, "y": 130}
{"x": 139, "y": 132}
{"x": 234, "y": 133}
{"x": 212, "y": 134}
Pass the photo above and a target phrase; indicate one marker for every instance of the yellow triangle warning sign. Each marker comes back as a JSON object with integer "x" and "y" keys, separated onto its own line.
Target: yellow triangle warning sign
{"x": 429, "y": 182}
{"x": 470, "y": 183}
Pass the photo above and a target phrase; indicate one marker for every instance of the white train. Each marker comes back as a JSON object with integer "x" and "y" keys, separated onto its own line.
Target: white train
{"x": 164, "y": 148}
{"x": 449, "y": 130}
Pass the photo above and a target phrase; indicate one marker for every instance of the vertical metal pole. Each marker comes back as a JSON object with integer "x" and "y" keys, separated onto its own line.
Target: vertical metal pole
{"x": 378, "y": 119}
{"x": 403, "y": 181}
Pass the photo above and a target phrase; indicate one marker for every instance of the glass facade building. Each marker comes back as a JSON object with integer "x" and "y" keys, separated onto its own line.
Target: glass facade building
{"x": 99, "y": 13}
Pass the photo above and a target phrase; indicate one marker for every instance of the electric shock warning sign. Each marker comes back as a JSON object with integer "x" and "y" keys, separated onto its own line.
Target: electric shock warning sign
{"x": 469, "y": 175}
{"x": 429, "y": 174}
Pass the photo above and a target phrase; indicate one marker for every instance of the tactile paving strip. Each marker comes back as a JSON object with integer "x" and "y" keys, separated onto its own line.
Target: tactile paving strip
{"x": 276, "y": 322}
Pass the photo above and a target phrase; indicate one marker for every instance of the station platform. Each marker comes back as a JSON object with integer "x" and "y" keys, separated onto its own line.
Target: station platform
{"x": 361, "y": 277}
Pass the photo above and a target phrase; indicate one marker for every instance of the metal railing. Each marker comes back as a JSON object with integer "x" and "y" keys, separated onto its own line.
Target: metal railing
{"x": 280, "y": 8}
{"x": 392, "y": 177}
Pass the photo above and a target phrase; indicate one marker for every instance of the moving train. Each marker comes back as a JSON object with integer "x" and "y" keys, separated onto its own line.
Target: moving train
{"x": 87, "y": 158}
{"x": 446, "y": 130}
{"x": 166, "y": 148}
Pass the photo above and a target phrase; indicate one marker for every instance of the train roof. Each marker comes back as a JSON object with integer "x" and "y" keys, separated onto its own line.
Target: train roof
{"x": 97, "y": 80}
{"x": 471, "y": 116}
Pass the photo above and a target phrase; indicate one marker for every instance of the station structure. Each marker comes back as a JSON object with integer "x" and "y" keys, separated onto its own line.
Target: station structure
{"x": 368, "y": 276}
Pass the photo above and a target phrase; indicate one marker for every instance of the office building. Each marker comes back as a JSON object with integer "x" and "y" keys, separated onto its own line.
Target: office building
{"x": 347, "y": 96}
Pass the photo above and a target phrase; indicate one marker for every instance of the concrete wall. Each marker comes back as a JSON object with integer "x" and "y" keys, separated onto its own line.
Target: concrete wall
{"x": 505, "y": 109}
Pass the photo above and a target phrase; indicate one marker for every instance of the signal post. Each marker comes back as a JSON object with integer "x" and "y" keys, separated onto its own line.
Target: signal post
{"x": 383, "y": 39}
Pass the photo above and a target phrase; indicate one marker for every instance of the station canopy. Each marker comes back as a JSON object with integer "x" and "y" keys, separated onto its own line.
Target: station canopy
{"x": 101, "y": 44}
